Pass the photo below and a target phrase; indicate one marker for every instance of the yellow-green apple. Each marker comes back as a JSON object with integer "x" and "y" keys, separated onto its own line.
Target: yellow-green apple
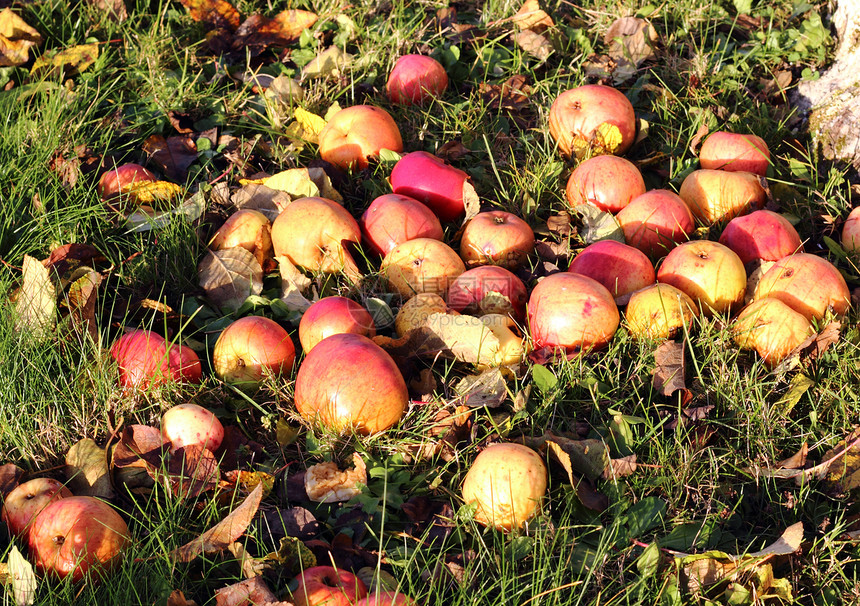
{"x": 771, "y": 328}
{"x": 393, "y": 219}
{"x": 387, "y": 598}
{"x": 331, "y": 316}
{"x": 26, "y": 500}
{"x": 488, "y": 289}
{"x": 762, "y": 234}
{"x": 656, "y": 221}
{"x": 735, "y": 152}
{"x": 357, "y": 133}
{"x": 571, "y": 312}
{"x": 428, "y": 179}
{"x": 422, "y": 265}
{"x": 496, "y": 238}
{"x": 75, "y": 536}
{"x": 251, "y": 348}
{"x": 512, "y": 346}
{"x": 808, "y": 284}
{"x": 851, "y": 231}
{"x": 718, "y": 195}
{"x": 710, "y": 273}
{"x": 659, "y": 312}
{"x": 621, "y": 268}
{"x": 247, "y": 228}
{"x": 191, "y": 425}
{"x": 416, "y": 79}
{"x": 327, "y": 586}
{"x": 348, "y": 383}
{"x": 313, "y": 232}
{"x": 122, "y": 178}
{"x": 507, "y": 483}
{"x": 414, "y": 313}
{"x": 607, "y": 182}
{"x": 592, "y": 117}
{"x": 146, "y": 359}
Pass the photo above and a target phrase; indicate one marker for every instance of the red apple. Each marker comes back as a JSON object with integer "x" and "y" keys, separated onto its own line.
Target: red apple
{"x": 735, "y": 152}
{"x": 357, "y": 133}
{"x": 422, "y": 265}
{"x": 717, "y": 195}
{"x": 348, "y": 383}
{"x": 656, "y": 221}
{"x": 387, "y": 598}
{"x": 809, "y": 285}
{"x": 571, "y": 312}
{"x": 851, "y": 231}
{"x": 191, "y": 425}
{"x": 393, "y": 219}
{"x": 762, "y": 234}
{"x": 659, "y": 312}
{"x": 77, "y": 535}
{"x": 428, "y": 179}
{"x": 331, "y": 316}
{"x": 488, "y": 289}
{"x": 772, "y": 328}
{"x": 708, "y": 272}
{"x": 247, "y": 228}
{"x": 26, "y": 500}
{"x": 327, "y": 586}
{"x": 120, "y": 179}
{"x": 497, "y": 238}
{"x": 607, "y": 182}
{"x": 145, "y": 359}
{"x": 250, "y": 349}
{"x": 622, "y": 269}
{"x": 416, "y": 79}
{"x": 592, "y": 117}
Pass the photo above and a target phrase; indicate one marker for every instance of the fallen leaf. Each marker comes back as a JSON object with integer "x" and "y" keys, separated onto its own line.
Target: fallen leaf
{"x": 87, "y": 470}
{"x": 452, "y": 150}
{"x": 303, "y": 183}
{"x": 466, "y": 338}
{"x": 68, "y": 257}
{"x": 798, "y": 386}
{"x": 139, "y": 446}
{"x": 559, "y": 224}
{"x": 486, "y": 389}
{"x": 145, "y": 219}
{"x": 330, "y": 62}
{"x": 115, "y": 8}
{"x": 292, "y": 556}
{"x": 377, "y": 580}
{"x": 598, "y": 224}
{"x": 22, "y": 577}
{"x": 843, "y": 464}
{"x": 812, "y": 347}
{"x": 36, "y": 305}
{"x": 618, "y": 468}
{"x": 326, "y": 483}
{"x": 471, "y": 202}
{"x": 697, "y": 138}
{"x": 512, "y": 94}
{"x": 177, "y": 598}
{"x": 230, "y": 276}
{"x": 296, "y": 522}
{"x": 311, "y": 125}
{"x": 16, "y": 39}
{"x": 786, "y": 544}
{"x": 174, "y": 155}
{"x": 10, "y": 476}
{"x": 218, "y": 13}
{"x": 248, "y": 592}
{"x": 797, "y": 460}
{"x": 258, "y": 32}
{"x": 264, "y": 199}
{"x": 293, "y": 283}
{"x": 631, "y": 42}
{"x": 192, "y": 470}
{"x": 670, "y": 368}
{"x": 153, "y": 192}
{"x": 531, "y": 16}
{"x": 81, "y": 300}
{"x": 588, "y": 457}
{"x": 67, "y": 62}
{"x": 534, "y": 44}
{"x": 423, "y": 386}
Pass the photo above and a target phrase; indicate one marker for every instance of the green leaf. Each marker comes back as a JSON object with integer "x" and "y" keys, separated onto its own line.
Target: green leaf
{"x": 520, "y": 548}
{"x": 543, "y": 378}
{"x": 647, "y": 514}
{"x": 648, "y": 563}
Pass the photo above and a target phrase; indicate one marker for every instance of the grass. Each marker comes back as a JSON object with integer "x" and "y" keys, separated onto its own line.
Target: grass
{"x": 694, "y": 489}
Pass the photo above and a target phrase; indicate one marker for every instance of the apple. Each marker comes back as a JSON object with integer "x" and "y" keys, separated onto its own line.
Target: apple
{"x": 592, "y": 117}
{"x": 710, "y": 273}
{"x": 251, "y": 348}
{"x": 393, "y": 219}
{"x": 735, "y": 152}
{"x": 414, "y": 313}
{"x": 498, "y": 238}
{"x": 607, "y": 182}
{"x": 851, "y": 231}
{"x": 422, "y": 265}
{"x": 488, "y": 289}
{"x": 622, "y": 269}
{"x": 771, "y": 328}
{"x": 146, "y": 359}
{"x": 247, "y": 228}
{"x": 416, "y": 79}
{"x": 357, "y": 133}
{"x": 428, "y": 179}
{"x": 26, "y": 500}
{"x": 75, "y": 536}
{"x": 507, "y": 482}
{"x": 387, "y": 598}
{"x": 120, "y": 179}
{"x": 762, "y": 234}
{"x": 348, "y": 383}
{"x": 313, "y": 232}
{"x": 656, "y": 221}
{"x": 659, "y": 312}
{"x": 571, "y": 312}
{"x": 808, "y": 284}
{"x": 331, "y": 316}
{"x": 327, "y": 586}
{"x": 718, "y": 195}
{"x": 191, "y": 425}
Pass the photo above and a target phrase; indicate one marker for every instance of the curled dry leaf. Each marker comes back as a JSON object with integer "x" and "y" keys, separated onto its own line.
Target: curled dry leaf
{"x": 586, "y": 493}
{"x": 670, "y": 368}
{"x": 177, "y": 598}
{"x": 797, "y": 460}
{"x": 302, "y": 183}
{"x": 486, "y": 389}
{"x": 10, "y": 476}
{"x": 512, "y": 94}
{"x": 588, "y": 457}
{"x": 22, "y": 578}
{"x": 230, "y": 276}
{"x": 631, "y": 42}
{"x": 697, "y": 138}
{"x": 153, "y": 193}
{"x": 618, "y": 468}
{"x": 532, "y": 16}
{"x": 16, "y": 39}
{"x": 293, "y": 284}
{"x": 258, "y": 32}
{"x": 256, "y": 196}
{"x": 250, "y": 591}
{"x": 145, "y": 219}
{"x": 812, "y": 347}
{"x": 36, "y": 303}
{"x": 174, "y": 155}
{"x": 218, "y": 13}
{"x": 66, "y": 63}
{"x": 598, "y": 225}
{"x": 191, "y": 471}
{"x": 326, "y": 483}
{"x": 534, "y": 44}
{"x": 87, "y": 470}
{"x": 330, "y": 62}
{"x": 81, "y": 300}
{"x": 466, "y": 338}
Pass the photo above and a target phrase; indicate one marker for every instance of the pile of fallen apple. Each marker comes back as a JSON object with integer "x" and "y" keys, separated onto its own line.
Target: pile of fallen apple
{"x": 467, "y": 298}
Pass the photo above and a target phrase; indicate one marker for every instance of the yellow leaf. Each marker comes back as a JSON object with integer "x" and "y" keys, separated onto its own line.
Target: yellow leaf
{"x": 293, "y": 22}
{"x": 311, "y": 124}
{"x": 331, "y": 111}
{"x": 36, "y": 305}
{"x": 151, "y": 192}
{"x": 303, "y": 183}
{"x": 215, "y": 12}
{"x": 286, "y": 433}
{"x": 605, "y": 140}
{"x": 330, "y": 62}
{"x": 531, "y": 16}
{"x": 14, "y": 52}
{"x": 15, "y": 28}
{"x": 72, "y": 60}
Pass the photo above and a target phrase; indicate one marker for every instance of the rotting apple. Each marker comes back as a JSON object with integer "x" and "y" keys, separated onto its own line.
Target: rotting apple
{"x": 718, "y": 195}
{"x": 762, "y": 234}
{"x": 357, "y": 133}
{"x": 146, "y": 359}
{"x": 851, "y": 231}
{"x": 607, "y": 182}
{"x": 416, "y": 79}
{"x": 23, "y": 504}
{"x": 488, "y": 289}
{"x": 771, "y": 328}
{"x": 348, "y": 383}
{"x": 331, "y": 316}
{"x": 119, "y": 180}
{"x": 735, "y": 152}
{"x": 251, "y": 348}
{"x": 186, "y": 425}
{"x": 428, "y": 179}
{"x": 592, "y": 117}
{"x": 422, "y": 265}
{"x": 393, "y": 219}
{"x": 659, "y": 312}
{"x": 622, "y": 269}
{"x": 327, "y": 586}
{"x": 387, "y": 598}
{"x": 496, "y": 238}
{"x": 808, "y": 284}
{"x": 656, "y": 221}
{"x": 247, "y": 228}
{"x": 76, "y": 536}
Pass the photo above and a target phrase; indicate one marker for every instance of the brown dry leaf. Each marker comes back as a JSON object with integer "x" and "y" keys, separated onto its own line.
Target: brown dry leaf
{"x": 87, "y": 470}
{"x": 588, "y": 457}
{"x": 66, "y": 63}
{"x": 843, "y": 469}
{"x": 191, "y": 471}
{"x": 797, "y": 460}
{"x": 467, "y": 338}
{"x": 247, "y": 481}
{"x": 586, "y": 493}
{"x": 230, "y": 276}
{"x": 512, "y": 94}
{"x": 293, "y": 284}
{"x": 670, "y": 368}
{"x": 471, "y": 202}
{"x": 139, "y": 446}
{"x": 532, "y": 16}
{"x": 534, "y": 44}
{"x": 559, "y": 224}
{"x": 264, "y": 199}
{"x": 177, "y": 598}
{"x": 330, "y": 62}
{"x": 174, "y": 155}
{"x": 10, "y": 475}
{"x": 618, "y": 468}
{"x": 218, "y": 13}
{"x": 225, "y": 532}
{"x": 36, "y": 305}
{"x": 812, "y": 347}
{"x": 258, "y": 32}
{"x": 115, "y": 8}
{"x": 446, "y": 18}
{"x": 701, "y": 133}
{"x": 250, "y": 566}
{"x": 452, "y": 150}
{"x": 249, "y": 592}
{"x": 486, "y": 389}
{"x": 423, "y": 386}
{"x": 326, "y": 483}
{"x": 81, "y": 300}
{"x": 631, "y": 42}
{"x": 68, "y": 257}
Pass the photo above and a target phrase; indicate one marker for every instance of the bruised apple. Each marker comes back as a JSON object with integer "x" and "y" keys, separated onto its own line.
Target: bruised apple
{"x": 507, "y": 482}
{"x": 489, "y": 289}
{"x": 333, "y": 315}
{"x": 247, "y": 228}
{"x": 327, "y": 586}
{"x": 250, "y": 349}
{"x": 348, "y": 383}
{"x": 357, "y": 133}
{"x": 428, "y": 179}
{"x": 656, "y": 221}
{"x": 497, "y": 238}
{"x": 771, "y": 328}
{"x": 659, "y": 312}
{"x": 592, "y": 117}
{"x": 122, "y": 178}
{"x": 186, "y": 425}
{"x": 23, "y": 504}
{"x": 146, "y": 359}
{"x": 718, "y": 195}
{"x": 392, "y": 219}
{"x": 607, "y": 182}
{"x": 387, "y": 598}
{"x": 416, "y": 79}
{"x": 851, "y": 231}
{"x": 762, "y": 234}
{"x": 735, "y": 152}
{"x": 808, "y": 284}
{"x": 622, "y": 269}
{"x": 422, "y": 265}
